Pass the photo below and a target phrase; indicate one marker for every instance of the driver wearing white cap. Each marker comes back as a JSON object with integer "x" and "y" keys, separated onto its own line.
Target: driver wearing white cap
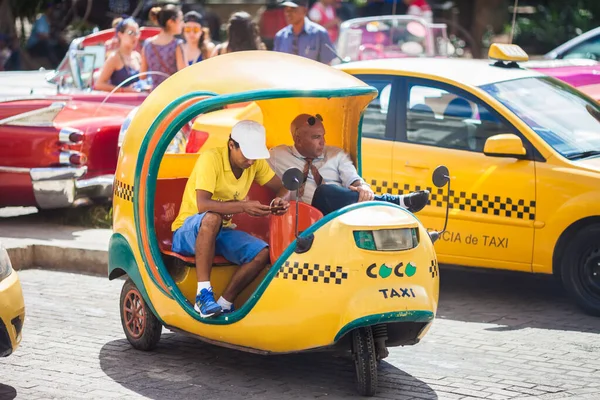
{"x": 216, "y": 190}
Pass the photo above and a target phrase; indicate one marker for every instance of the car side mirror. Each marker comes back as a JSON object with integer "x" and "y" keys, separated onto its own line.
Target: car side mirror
{"x": 441, "y": 178}
{"x": 505, "y": 145}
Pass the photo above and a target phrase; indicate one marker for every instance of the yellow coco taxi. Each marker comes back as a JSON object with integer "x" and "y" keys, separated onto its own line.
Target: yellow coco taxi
{"x": 380, "y": 281}
{"x": 523, "y": 149}
{"x": 12, "y": 306}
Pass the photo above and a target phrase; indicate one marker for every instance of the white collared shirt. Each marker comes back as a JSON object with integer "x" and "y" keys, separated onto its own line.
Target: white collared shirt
{"x": 334, "y": 165}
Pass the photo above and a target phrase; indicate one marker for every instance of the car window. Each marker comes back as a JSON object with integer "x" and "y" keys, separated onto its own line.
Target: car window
{"x": 375, "y": 116}
{"x": 438, "y": 117}
{"x": 588, "y": 49}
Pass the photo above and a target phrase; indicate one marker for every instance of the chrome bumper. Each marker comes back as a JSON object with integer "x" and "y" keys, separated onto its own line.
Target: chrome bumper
{"x": 61, "y": 187}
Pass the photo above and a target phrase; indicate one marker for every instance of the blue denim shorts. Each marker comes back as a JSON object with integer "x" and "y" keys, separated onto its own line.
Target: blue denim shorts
{"x": 239, "y": 247}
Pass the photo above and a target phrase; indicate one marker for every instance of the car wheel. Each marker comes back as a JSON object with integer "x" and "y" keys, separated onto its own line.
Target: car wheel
{"x": 580, "y": 269}
{"x": 140, "y": 325}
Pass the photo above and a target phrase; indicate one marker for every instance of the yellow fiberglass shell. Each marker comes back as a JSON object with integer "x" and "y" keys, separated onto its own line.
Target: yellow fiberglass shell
{"x": 12, "y": 308}
{"x": 282, "y": 86}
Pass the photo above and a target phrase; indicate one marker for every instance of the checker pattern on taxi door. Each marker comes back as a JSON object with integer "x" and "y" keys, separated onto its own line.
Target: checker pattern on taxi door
{"x": 124, "y": 191}
{"x": 312, "y": 273}
{"x": 470, "y": 202}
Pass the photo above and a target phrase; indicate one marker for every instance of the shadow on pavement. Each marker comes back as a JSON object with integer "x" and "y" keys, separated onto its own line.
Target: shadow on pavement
{"x": 182, "y": 366}
{"x": 7, "y": 392}
{"x": 510, "y": 299}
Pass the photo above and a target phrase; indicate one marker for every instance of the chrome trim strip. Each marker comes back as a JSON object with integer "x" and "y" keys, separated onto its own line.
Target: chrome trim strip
{"x": 58, "y": 173}
{"x": 17, "y": 170}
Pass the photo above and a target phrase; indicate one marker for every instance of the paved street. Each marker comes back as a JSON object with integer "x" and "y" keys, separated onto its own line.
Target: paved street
{"x": 497, "y": 336}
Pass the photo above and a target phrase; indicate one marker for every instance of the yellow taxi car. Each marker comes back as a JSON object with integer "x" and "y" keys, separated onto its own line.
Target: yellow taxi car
{"x": 523, "y": 149}
{"x": 12, "y": 306}
{"x": 524, "y": 152}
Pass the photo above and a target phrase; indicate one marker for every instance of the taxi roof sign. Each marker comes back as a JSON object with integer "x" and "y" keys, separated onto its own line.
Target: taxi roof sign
{"x": 507, "y": 52}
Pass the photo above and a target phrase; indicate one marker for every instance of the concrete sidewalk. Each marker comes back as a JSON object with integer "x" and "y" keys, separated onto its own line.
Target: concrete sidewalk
{"x": 32, "y": 243}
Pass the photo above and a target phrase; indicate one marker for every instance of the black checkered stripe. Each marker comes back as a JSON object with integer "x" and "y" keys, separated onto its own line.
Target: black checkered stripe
{"x": 124, "y": 191}
{"x": 472, "y": 202}
{"x": 433, "y": 268}
{"x": 312, "y": 273}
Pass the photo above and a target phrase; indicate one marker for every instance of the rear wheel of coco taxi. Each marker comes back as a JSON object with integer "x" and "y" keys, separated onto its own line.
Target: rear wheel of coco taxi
{"x": 580, "y": 268}
{"x": 365, "y": 361}
{"x": 140, "y": 325}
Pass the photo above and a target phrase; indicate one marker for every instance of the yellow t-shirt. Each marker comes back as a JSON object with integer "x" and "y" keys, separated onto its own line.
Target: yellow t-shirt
{"x": 212, "y": 173}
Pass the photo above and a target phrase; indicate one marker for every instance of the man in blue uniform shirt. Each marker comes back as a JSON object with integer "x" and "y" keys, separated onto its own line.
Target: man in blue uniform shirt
{"x": 302, "y": 36}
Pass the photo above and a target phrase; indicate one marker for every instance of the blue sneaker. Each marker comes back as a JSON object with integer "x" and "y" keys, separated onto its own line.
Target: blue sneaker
{"x": 232, "y": 309}
{"x": 206, "y": 304}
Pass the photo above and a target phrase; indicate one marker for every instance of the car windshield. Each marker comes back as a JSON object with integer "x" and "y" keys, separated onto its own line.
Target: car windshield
{"x": 391, "y": 37}
{"x": 561, "y": 115}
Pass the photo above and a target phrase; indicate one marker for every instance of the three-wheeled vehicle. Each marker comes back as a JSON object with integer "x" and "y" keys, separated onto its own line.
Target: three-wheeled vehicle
{"x": 372, "y": 263}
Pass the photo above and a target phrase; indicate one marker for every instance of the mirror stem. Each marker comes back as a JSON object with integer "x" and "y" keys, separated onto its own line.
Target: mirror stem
{"x": 447, "y": 207}
{"x": 297, "y": 210}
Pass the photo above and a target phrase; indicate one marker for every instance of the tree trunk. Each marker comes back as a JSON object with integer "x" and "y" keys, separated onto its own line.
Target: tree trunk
{"x": 7, "y": 21}
{"x": 487, "y": 13}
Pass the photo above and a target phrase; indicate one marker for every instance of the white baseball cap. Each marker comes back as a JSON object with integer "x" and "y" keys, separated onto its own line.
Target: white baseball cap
{"x": 252, "y": 138}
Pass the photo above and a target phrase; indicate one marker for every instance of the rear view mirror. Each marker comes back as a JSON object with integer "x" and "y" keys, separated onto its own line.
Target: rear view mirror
{"x": 292, "y": 179}
{"x": 504, "y": 145}
{"x": 440, "y": 176}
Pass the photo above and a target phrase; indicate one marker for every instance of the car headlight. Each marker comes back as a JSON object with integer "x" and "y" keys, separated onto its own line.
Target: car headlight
{"x": 125, "y": 125}
{"x": 387, "y": 239}
{"x": 5, "y": 265}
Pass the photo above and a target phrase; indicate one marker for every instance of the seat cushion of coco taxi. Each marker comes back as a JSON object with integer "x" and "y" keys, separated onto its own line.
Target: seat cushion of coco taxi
{"x": 278, "y": 231}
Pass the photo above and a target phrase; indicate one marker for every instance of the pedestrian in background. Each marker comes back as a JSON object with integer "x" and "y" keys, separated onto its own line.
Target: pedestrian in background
{"x": 419, "y": 8}
{"x": 302, "y": 36}
{"x": 242, "y": 34}
{"x": 164, "y": 52}
{"x": 124, "y": 63}
{"x": 323, "y": 12}
{"x": 197, "y": 45}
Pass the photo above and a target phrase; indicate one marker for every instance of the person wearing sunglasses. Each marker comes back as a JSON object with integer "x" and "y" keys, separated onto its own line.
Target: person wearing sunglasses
{"x": 302, "y": 36}
{"x": 197, "y": 45}
{"x": 124, "y": 62}
{"x": 331, "y": 180}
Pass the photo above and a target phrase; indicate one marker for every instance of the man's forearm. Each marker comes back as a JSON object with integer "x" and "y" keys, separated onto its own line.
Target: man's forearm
{"x": 221, "y": 207}
{"x": 284, "y": 194}
{"x": 358, "y": 183}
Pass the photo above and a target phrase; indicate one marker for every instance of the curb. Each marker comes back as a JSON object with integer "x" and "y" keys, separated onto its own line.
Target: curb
{"x": 67, "y": 259}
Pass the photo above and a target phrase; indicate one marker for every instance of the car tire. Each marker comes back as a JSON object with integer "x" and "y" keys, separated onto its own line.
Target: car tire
{"x": 140, "y": 325}
{"x": 580, "y": 268}
{"x": 365, "y": 361}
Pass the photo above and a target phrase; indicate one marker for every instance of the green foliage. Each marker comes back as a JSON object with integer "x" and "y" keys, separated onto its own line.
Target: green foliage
{"x": 95, "y": 216}
{"x": 554, "y": 23}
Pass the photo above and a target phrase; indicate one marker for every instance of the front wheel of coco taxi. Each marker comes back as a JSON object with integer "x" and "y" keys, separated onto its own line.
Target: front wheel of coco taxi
{"x": 365, "y": 361}
{"x": 140, "y": 325}
{"x": 580, "y": 269}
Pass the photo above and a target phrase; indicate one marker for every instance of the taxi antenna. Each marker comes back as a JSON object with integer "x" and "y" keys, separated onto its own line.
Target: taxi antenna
{"x": 514, "y": 19}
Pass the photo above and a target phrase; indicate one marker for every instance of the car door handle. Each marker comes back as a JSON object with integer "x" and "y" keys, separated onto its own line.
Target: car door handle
{"x": 414, "y": 165}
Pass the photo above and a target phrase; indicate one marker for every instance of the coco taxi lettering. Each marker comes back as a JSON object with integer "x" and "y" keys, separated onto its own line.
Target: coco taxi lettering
{"x": 400, "y": 270}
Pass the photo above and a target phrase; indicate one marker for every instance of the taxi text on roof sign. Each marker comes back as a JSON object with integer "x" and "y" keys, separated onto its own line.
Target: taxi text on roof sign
{"x": 507, "y": 52}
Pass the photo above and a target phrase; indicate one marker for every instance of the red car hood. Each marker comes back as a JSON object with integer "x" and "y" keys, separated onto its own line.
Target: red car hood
{"x": 78, "y": 113}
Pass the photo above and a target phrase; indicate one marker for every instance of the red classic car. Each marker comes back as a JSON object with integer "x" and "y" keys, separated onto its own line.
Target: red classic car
{"x": 58, "y": 152}
{"x": 59, "y": 136}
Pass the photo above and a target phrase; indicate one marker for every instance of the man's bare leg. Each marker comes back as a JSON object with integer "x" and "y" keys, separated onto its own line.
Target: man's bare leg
{"x": 245, "y": 274}
{"x": 205, "y": 245}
